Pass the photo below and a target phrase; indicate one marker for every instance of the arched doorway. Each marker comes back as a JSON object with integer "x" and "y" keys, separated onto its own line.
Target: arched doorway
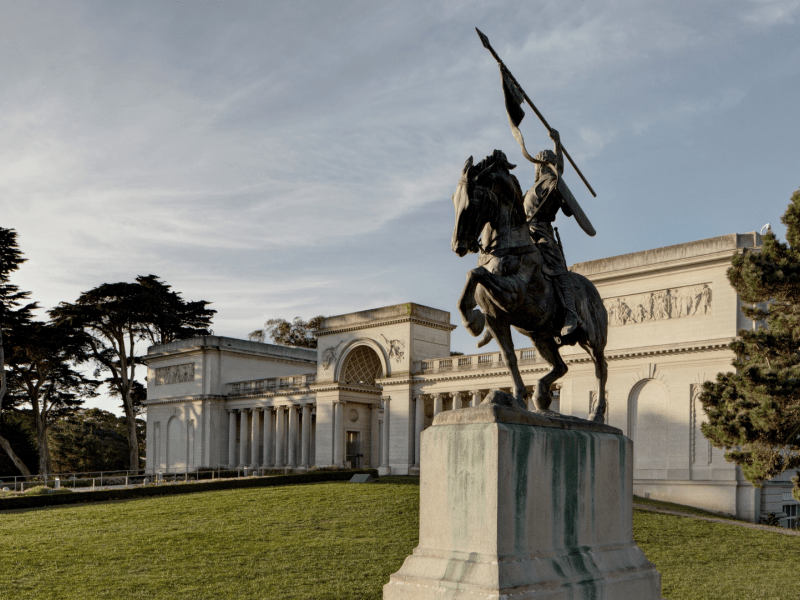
{"x": 176, "y": 445}
{"x": 649, "y": 429}
{"x": 360, "y": 428}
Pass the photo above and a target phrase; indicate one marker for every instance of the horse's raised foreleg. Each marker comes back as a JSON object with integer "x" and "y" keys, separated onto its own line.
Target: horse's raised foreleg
{"x": 548, "y": 349}
{"x": 598, "y": 415}
{"x": 501, "y": 331}
{"x": 471, "y": 317}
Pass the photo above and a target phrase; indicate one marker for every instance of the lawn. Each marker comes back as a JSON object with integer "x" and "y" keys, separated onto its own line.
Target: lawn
{"x": 320, "y": 541}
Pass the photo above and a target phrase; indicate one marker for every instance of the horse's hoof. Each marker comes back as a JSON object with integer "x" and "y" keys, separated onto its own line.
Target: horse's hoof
{"x": 474, "y": 321}
{"x": 487, "y": 337}
{"x": 597, "y": 417}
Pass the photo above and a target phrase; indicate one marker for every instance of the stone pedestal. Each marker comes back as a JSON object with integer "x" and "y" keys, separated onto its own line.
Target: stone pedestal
{"x": 519, "y": 505}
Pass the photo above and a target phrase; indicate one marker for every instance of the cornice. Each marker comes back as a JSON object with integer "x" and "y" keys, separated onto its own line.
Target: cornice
{"x": 273, "y": 394}
{"x": 708, "y": 260}
{"x": 176, "y": 399}
{"x": 336, "y": 387}
{"x": 408, "y": 379}
{"x": 386, "y": 322}
{"x": 200, "y": 349}
{"x": 620, "y": 355}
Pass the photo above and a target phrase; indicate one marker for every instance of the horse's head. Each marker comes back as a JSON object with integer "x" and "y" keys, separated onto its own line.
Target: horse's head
{"x": 480, "y": 190}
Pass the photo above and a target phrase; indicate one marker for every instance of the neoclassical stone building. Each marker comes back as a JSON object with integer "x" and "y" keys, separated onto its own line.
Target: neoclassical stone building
{"x": 379, "y": 377}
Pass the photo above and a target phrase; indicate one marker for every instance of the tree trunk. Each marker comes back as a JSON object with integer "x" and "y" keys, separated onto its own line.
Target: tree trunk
{"x": 3, "y": 441}
{"x": 45, "y": 465}
{"x": 17, "y": 462}
{"x": 133, "y": 439}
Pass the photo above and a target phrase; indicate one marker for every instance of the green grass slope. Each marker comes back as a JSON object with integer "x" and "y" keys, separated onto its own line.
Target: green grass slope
{"x": 321, "y": 541}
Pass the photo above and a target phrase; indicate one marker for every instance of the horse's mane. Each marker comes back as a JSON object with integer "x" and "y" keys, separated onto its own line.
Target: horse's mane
{"x": 498, "y": 164}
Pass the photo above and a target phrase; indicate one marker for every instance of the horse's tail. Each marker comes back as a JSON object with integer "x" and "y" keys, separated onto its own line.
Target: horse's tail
{"x": 592, "y": 311}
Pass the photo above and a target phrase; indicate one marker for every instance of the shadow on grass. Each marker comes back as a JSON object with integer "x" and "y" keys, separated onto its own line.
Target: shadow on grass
{"x": 399, "y": 479}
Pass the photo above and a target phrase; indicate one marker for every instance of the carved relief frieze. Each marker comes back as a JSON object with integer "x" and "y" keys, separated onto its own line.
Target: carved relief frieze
{"x": 394, "y": 348}
{"x": 175, "y": 374}
{"x": 672, "y": 303}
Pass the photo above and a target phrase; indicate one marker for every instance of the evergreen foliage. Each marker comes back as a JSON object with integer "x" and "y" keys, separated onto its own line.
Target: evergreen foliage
{"x": 13, "y": 314}
{"x": 41, "y": 360}
{"x": 754, "y": 412}
{"x": 297, "y": 333}
{"x": 91, "y": 440}
{"x": 18, "y": 429}
{"x": 114, "y": 317}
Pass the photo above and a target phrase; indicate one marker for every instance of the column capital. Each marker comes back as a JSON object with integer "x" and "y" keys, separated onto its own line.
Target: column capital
{"x": 475, "y": 392}
{"x": 437, "y": 396}
{"x": 456, "y": 395}
{"x": 386, "y": 398}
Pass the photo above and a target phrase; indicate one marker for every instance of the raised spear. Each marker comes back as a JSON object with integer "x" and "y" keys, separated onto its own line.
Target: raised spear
{"x": 517, "y": 135}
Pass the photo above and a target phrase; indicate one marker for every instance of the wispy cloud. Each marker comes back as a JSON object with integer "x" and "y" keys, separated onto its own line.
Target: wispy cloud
{"x": 283, "y": 159}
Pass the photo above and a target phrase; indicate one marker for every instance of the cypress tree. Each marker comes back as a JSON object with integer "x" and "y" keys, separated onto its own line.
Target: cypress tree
{"x": 754, "y": 412}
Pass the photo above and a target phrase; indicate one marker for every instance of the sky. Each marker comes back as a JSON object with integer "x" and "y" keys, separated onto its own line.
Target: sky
{"x": 283, "y": 159}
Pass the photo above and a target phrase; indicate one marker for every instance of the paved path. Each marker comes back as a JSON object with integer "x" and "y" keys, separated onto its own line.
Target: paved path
{"x": 714, "y": 520}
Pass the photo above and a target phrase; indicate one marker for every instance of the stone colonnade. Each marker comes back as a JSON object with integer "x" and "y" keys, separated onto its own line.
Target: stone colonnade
{"x": 460, "y": 400}
{"x": 283, "y": 433}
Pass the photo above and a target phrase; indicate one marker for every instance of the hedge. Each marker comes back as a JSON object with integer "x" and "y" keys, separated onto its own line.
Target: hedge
{"x": 19, "y": 502}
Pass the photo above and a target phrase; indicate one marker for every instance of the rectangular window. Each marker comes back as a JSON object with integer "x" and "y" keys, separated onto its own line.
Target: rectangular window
{"x": 791, "y": 514}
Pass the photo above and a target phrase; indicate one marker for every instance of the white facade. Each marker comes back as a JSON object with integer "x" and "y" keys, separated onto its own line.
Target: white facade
{"x": 220, "y": 402}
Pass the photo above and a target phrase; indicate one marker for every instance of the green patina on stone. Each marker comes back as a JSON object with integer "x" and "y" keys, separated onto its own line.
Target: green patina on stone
{"x": 466, "y": 451}
{"x": 574, "y": 462}
{"x": 595, "y": 440}
{"x": 521, "y": 437}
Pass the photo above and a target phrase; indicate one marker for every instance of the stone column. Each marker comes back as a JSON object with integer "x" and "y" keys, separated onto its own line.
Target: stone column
{"x": 293, "y": 436}
{"x": 269, "y": 440}
{"x": 374, "y": 437}
{"x": 280, "y": 432}
{"x": 243, "y": 435}
{"x": 305, "y": 448}
{"x": 254, "y": 434}
{"x": 385, "y": 468}
{"x": 456, "y": 396}
{"x": 231, "y": 439}
{"x": 476, "y": 397}
{"x": 437, "y": 404}
{"x": 419, "y": 421}
{"x": 312, "y": 426}
{"x": 338, "y": 434}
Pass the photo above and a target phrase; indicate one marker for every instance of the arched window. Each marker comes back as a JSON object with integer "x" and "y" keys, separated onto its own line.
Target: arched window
{"x": 648, "y": 422}
{"x": 363, "y": 367}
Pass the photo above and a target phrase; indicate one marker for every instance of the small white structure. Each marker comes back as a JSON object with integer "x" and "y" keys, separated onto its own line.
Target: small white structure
{"x": 379, "y": 377}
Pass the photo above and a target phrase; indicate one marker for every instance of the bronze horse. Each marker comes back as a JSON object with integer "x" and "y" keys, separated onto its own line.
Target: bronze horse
{"x": 510, "y": 287}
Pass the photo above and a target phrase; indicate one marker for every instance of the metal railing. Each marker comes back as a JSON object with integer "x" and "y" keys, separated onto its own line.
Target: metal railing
{"x": 95, "y": 480}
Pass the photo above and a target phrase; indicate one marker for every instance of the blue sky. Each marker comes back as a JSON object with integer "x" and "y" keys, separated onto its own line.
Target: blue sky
{"x": 283, "y": 159}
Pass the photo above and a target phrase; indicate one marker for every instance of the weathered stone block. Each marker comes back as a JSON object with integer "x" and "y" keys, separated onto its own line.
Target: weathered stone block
{"x": 518, "y": 505}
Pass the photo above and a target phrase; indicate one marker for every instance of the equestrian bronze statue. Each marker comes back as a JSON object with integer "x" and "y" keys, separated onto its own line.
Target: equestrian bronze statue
{"x": 522, "y": 280}
{"x": 511, "y": 284}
